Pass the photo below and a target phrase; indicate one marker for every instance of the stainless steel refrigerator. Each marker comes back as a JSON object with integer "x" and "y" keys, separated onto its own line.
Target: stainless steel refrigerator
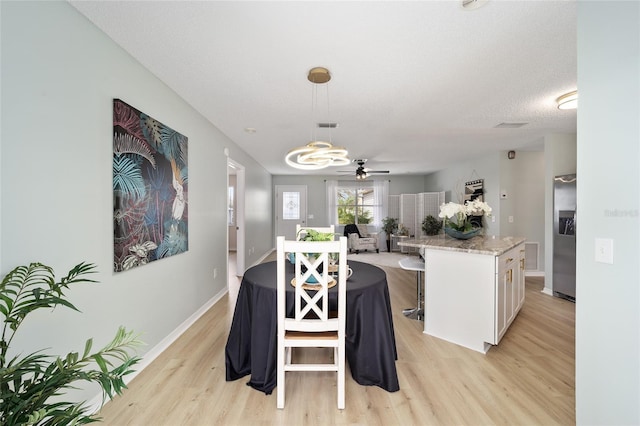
{"x": 564, "y": 236}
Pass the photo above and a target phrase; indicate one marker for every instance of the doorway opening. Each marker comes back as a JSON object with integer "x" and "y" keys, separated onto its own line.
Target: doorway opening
{"x": 235, "y": 222}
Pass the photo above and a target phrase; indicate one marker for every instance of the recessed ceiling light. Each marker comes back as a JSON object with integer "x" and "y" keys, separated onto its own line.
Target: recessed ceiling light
{"x": 472, "y": 4}
{"x": 250, "y": 130}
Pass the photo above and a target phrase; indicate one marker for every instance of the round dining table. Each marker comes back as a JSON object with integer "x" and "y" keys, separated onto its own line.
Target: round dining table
{"x": 370, "y": 341}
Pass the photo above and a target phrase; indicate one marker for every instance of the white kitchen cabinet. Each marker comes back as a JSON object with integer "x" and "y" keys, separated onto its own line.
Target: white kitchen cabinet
{"x": 473, "y": 289}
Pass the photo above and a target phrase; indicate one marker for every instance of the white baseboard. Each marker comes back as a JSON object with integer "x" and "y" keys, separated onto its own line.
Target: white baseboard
{"x": 264, "y": 256}
{"x": 547, "y": 291}
{"x": 534, "y": 274}
{"x": 95, "y": 404}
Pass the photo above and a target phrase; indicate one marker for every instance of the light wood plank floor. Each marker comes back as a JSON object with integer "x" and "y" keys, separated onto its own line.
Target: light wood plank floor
{"x": 527, "y": 380}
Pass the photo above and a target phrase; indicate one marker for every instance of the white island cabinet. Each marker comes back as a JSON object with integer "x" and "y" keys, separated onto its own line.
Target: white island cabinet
{"x": 473, "y": 288}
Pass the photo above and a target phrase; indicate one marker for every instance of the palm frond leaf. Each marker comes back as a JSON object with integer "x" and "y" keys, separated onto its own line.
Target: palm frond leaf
{"x": 127, "y": 177}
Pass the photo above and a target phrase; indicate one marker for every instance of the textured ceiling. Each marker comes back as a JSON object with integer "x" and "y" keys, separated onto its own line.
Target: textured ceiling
{"x": 416, "y": 86}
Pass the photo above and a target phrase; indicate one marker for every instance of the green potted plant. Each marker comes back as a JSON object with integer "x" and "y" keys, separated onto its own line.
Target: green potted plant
{"x": 389, "y": 226}
{"x": 431, "y": 225}
{"x": 32, "y": 386}
{"x": 313, "y": 235}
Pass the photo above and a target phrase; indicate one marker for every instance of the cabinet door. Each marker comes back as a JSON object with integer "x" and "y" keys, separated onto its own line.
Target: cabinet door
{"x": 505, "y": 297}
{"x": 521, "y": 279}
{"x": 501, "y": 318}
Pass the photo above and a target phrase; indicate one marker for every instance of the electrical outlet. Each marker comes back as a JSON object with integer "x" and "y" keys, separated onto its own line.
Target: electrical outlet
{"x": 510, "y": 219}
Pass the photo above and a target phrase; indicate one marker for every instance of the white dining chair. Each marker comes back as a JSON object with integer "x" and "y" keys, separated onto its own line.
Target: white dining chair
{"x": 312, "y": 323}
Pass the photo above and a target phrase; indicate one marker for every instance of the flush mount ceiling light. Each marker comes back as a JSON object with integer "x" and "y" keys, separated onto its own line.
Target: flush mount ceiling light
{"x": 472, "y": 4}
{"x": 568, "y": 100}
{"x": 317, "y": 154}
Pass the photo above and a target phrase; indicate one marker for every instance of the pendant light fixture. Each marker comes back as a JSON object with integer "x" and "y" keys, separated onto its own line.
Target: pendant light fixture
{"x": 317, "y": 154}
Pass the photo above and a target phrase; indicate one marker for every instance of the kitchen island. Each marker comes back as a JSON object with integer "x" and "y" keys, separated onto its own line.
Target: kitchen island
{"x": 473, "y": 288}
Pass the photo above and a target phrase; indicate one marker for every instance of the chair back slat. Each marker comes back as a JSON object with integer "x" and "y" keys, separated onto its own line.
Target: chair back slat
{"x": 312, "y": 282}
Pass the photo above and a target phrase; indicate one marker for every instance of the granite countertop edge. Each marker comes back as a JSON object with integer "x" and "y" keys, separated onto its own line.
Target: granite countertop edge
{"x": 493, "y": 245}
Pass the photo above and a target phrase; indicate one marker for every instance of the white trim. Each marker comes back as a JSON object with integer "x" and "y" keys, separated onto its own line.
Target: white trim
{"x": 95, "y": 404}
{"x": 547, "y": 291}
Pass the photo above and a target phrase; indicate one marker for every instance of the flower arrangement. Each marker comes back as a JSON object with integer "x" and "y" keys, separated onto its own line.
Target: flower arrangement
{"x": 458, "y": 216}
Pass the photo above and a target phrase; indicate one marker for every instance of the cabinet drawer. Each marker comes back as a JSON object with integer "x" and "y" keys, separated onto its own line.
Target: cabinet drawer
{"x": 506, "y": 260}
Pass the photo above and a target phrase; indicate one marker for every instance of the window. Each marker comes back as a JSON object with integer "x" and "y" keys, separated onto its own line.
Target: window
{"x": 356, "y": 204}
{"x": 290, "y": 205}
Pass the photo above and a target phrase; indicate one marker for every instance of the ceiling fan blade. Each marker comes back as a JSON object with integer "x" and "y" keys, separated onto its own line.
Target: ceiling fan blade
{"x": 377, "y": 171}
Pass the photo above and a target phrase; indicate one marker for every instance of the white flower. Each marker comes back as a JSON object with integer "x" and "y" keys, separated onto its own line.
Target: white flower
{"x": 457, "y": 215}
{"x": 450, "y": 210}
{"x": 477, "y": 208}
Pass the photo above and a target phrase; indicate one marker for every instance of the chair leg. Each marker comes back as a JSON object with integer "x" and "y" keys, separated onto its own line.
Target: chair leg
{"x": 280, "y": 378}
{"x": 341, "y": 377}
{"x": 416, "y": 313}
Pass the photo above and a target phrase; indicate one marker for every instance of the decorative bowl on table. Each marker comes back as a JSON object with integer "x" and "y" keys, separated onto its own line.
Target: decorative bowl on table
{"x": 460, "y": 235}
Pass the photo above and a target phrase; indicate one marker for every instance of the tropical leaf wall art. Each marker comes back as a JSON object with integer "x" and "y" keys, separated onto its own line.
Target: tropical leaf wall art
{"x": 150, "y": 187}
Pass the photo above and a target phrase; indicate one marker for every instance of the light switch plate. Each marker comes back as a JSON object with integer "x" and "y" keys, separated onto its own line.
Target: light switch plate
{"x": 604, "y": 250}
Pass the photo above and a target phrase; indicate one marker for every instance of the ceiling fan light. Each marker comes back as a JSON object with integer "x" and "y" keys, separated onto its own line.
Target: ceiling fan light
{"x": 568, "y": 100}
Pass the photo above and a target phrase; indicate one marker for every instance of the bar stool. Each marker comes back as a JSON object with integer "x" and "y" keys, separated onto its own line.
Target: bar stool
{"x": 414, "y": 264}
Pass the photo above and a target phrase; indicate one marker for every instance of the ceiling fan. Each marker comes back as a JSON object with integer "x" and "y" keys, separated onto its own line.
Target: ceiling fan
{"x": 361, "y": 172}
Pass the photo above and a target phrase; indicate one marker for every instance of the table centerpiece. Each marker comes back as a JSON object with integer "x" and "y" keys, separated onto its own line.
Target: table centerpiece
{"x": 460, "y": 220}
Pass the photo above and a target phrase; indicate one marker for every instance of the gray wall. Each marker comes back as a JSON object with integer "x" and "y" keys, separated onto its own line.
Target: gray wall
{"x": 608, "y": 296}
{"x": 59, "y": 76}
{"x": 523, "y": 181}
{"x": 452, "y": 180}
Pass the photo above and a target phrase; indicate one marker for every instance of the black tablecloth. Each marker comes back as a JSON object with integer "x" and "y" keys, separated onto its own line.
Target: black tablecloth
{"x": 370, "y": 341}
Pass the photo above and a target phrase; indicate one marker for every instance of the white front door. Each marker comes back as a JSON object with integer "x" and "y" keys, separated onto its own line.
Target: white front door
{"x": 291, "y": 209}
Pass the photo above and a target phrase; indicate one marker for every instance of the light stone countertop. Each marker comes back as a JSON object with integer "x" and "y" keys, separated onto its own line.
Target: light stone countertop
{"x": 492, "y": 245}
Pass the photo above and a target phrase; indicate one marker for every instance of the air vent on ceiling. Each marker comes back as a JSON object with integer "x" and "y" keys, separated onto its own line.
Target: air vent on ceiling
{"x": 327, "y": 125}
{"x": 510, "y": 125}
